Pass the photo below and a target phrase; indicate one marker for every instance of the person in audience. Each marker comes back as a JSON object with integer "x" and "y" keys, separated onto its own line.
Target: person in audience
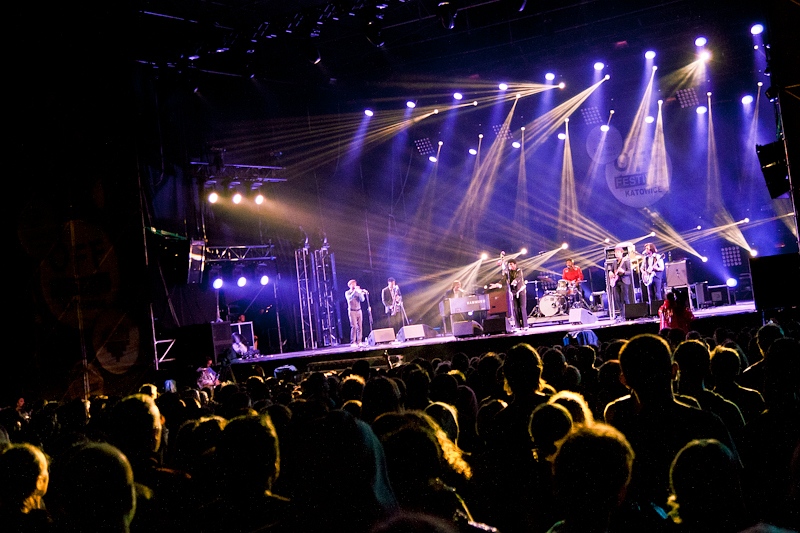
{"x": 753, "y": 376}
{"x": 656, "y": 425}
{"x": 381, "y": 395}
{"x": 591, "y": 472}
{"x": 575, "y": 403}
{"x": 24, "y": 479}
{"x": 706, "y": 490}
{"x": 694, "y": 362}
{"x": 609, "y": 387}
{"x": 93, "y": 490}
{"x": 725, "y": 367}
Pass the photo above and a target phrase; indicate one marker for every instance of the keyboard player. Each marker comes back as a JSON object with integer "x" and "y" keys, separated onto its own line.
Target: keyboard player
{"x": 456, "y": 292}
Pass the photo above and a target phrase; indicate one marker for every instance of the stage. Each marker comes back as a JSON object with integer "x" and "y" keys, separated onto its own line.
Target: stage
{"x": 542, "y": 331}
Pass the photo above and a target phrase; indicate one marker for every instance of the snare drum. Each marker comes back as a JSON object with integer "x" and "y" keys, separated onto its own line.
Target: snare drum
{"x": 552, "y": 305}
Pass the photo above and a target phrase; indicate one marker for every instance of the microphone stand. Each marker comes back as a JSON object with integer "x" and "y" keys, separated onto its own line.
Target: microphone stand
{"x": 369, "y": 312}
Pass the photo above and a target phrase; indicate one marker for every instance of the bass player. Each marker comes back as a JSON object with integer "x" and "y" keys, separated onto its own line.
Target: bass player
{"x": 516, "y": 283}
{"x": 620, "y": 278}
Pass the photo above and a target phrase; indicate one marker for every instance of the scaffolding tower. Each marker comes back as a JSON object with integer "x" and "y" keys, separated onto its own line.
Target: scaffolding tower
{"x": 316, "y": 285}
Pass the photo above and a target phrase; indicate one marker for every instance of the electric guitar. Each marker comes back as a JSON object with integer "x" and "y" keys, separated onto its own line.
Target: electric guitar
{"x": 648, "y": 274}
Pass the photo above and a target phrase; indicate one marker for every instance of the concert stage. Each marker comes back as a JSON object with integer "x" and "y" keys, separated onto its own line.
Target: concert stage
{"x": 542, "y": 331}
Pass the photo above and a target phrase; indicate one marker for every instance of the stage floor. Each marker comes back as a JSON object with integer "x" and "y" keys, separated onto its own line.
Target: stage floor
{"x": 541, "y": 331}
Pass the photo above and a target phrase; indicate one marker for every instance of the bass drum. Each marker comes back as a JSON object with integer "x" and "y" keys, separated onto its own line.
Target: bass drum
{"x": 552, "y": 305}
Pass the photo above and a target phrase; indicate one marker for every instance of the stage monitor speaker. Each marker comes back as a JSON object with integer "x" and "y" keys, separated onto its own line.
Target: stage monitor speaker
{"x": 701, "y": 295}
{"x": 467, "y": 328}
{"x": 415, "y": 331}
{"x": 581, "y": 316}
{"x": 653, "y": 307}
{"x": 499, "y": 324}
{"x": 775, "y": 281}
{"x": 721, "y": 295}
{"x": 632, "y": 311}
{"x": 677, "y": 274}
{"x": 379, "y": 336}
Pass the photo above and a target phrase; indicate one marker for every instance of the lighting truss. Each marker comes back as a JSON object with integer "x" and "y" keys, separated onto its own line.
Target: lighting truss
{"x": 591, "y": 115}
{"x": 224, "y": 254}
{"x": 502, "y": 131}
{"x": 424, "y": 146}
{"x": 687, "y": 97}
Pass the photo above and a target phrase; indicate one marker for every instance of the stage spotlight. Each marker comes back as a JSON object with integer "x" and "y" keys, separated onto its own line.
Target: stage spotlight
{"x": 746, "y": 220}
{"x": 516, "y": 144}
{"x": 237, "y": 198}
{"x": 411, "y": 105}
{"x": 432, "y": 159}
{"x": 484, "y": 256}
{"x": 731, "y": 282}
{"x": 441, "y": 143}
{"x": 259, "y": 199}
{"x": 503, "y": 87}
{"x": 699, "y": 227}
{"x": 761, "y": 83}
{"x": 458, "y": 96}
{"x": 604, "y": 127}
{"x": 562, "y": 136}
{"x": 475, "y": 102}
{"x": 562, "y": 85}
{"x": 700, "y": 41}
{"x": 215, "y": 275}
{"x": 480, "y": 136}
{"x": 607, "y": 241}
{"x": 523, "y": 251}
{"x": 753, "y": 252}
{"x": 549, "y": 76}
{"x": 652, "y": 234}
{"x": 607, "y": 77}
{"x": 705, "y": 55}
{"x": 446, "y": 13}
{"x": 261, "y": 273}
{"x": 473, "y": 151}
{"x": 599, "y": 65}
{"x": 649, "y": 119}
{"x": 701, "y": 110}
{"x": 565, "y": 245}
{"x": 756, "y": 29}
{"x": 649, "y": 54}
{"x": 368, "y": 112}
{"x": 238, "y": 275}
{"x": 213, "y": 198}
{"x": 704, "y": 259}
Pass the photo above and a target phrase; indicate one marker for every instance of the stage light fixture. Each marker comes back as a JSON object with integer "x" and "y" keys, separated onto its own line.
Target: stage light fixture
{"x": 599, "y": 65}
{"x": 237, "y": 198}
{"x": 549, "y": 76}
{"x": 259, "y": 199}
{"x": 701, "y": 110}
{"x": 369, "y": 112}
{"x": 473, "y": 151}
{"x": 502, "y": 131}
{"x": 753, "y": 252}
{"x": 564, "y": 246}
{"x": 215, "y": 275}
{"x": 756, "y": 29}
{"x": 458, "y": 96}
{"x": 704, "y": 259}
{"x": 432, "y": 159}
{"x": 213, "y": 197}
{"x": 562, "y": 85}
{"x": 591, "y": 115}
{"x": 503, "y": 86}
{"x": 411, "y": 104}
{"x": 238, "y": 275}
{"x": 731, "y": 256}
{"x": 516, "y": 144}
{"x": 649, "y": 54}
{"x": 446, "y": 13}
{"x": 649, "y": 119}
{"x": 705, "y": 55}
{"x": 699, "y": 227}
{"x": 261, "y": 273}
{"x": 652, "y": 234}
{"x": 523, "y": 251}
{"x": 484, "y": 256}
{"x": 424, "y": 146}
{"x": 700, "y": 41}
{"x": 731, "y": 282}
{"x": 604, "y": 127}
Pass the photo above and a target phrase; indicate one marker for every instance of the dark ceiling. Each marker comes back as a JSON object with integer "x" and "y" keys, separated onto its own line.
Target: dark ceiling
{"x": 275, "y": 40}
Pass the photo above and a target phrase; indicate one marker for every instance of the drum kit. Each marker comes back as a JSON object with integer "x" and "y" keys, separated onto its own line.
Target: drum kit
{"x": 558, "y": 302}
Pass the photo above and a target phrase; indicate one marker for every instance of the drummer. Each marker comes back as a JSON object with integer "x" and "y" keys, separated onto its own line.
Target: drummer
{"x": 573, "y": 275}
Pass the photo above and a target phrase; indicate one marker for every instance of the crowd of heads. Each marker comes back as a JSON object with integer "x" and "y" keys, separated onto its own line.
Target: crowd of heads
{"x": 695, "y": 431}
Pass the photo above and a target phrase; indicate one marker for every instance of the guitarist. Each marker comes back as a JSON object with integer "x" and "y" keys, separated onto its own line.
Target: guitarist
{"x": 519, "y": 296}
{"x": 620, "y": 278}
{"x": 392, "y": 304}
{"x": 653, "y": 273}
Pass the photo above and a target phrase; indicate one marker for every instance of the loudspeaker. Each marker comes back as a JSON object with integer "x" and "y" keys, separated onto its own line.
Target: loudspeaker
{"x": 631, "y": 311}
{"x": 676, "y": 274}
{"x": 378, "y": 336}
{"x": 468, "y": 328}
{"x": 721, "y": 295}
{"x": 653, "y": 307}
{"x": 415, "y": 331}
{"x": 581, "y": 316}
{"x": 498, "y": 302}
{"x": 772, "y": 158}
{"x": 499, "y": 324}
{"x": 775, "y": 280}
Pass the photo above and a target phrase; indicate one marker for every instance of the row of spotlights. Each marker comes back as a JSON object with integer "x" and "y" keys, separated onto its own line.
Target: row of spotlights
{"x": 237, "y": 198}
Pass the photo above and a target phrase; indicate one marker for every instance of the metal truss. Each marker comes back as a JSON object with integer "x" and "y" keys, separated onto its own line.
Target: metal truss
{"x": 225, "y": 254}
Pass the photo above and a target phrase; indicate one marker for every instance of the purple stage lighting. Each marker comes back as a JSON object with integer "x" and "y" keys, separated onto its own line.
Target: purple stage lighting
{"x": 747, "y": 99}
{"x": 368, "y": 112}
{"x": 700, "y": 41}
{"x": 599, "y": 65}
{"x": 757, "y": 29}
{"x": 649, "y": 54}
{"x": 458, "y": 96}
{"x": 549, "y": 76}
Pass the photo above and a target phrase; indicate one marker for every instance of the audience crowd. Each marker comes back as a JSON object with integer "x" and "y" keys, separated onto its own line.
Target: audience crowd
{"x": 680, "y": 431}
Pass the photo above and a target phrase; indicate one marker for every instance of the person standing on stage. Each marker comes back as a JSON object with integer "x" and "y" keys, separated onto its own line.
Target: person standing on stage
{"x": 653, "y": 273}
{"x": 354, "y": 296}
{"x": 621, "y": 278}
{"x": 519, "y": 296}
{"x": 574, "y": 276}
{"x": 456, "y": 291}
{"x": 393, "y": 304}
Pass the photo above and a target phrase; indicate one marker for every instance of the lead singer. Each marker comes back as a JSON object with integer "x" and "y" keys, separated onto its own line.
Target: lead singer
{"x": 355, "y": 296}
{"x": 519, "y": 295}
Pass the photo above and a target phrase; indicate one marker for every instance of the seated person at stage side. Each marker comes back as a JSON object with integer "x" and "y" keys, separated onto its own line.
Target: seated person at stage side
{"x": 239, "y": 345}
{"x": 207, "y": 376}
{"x": 456, "y": 291}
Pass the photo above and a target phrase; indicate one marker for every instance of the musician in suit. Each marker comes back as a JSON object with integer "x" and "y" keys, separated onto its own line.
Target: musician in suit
{"x": 393, "y": 304}
{"x": 519, "y": 296}
{"x": 355, "y": 295}
{"x": 621, "y": 277}
{"x": 653, "y": 273}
